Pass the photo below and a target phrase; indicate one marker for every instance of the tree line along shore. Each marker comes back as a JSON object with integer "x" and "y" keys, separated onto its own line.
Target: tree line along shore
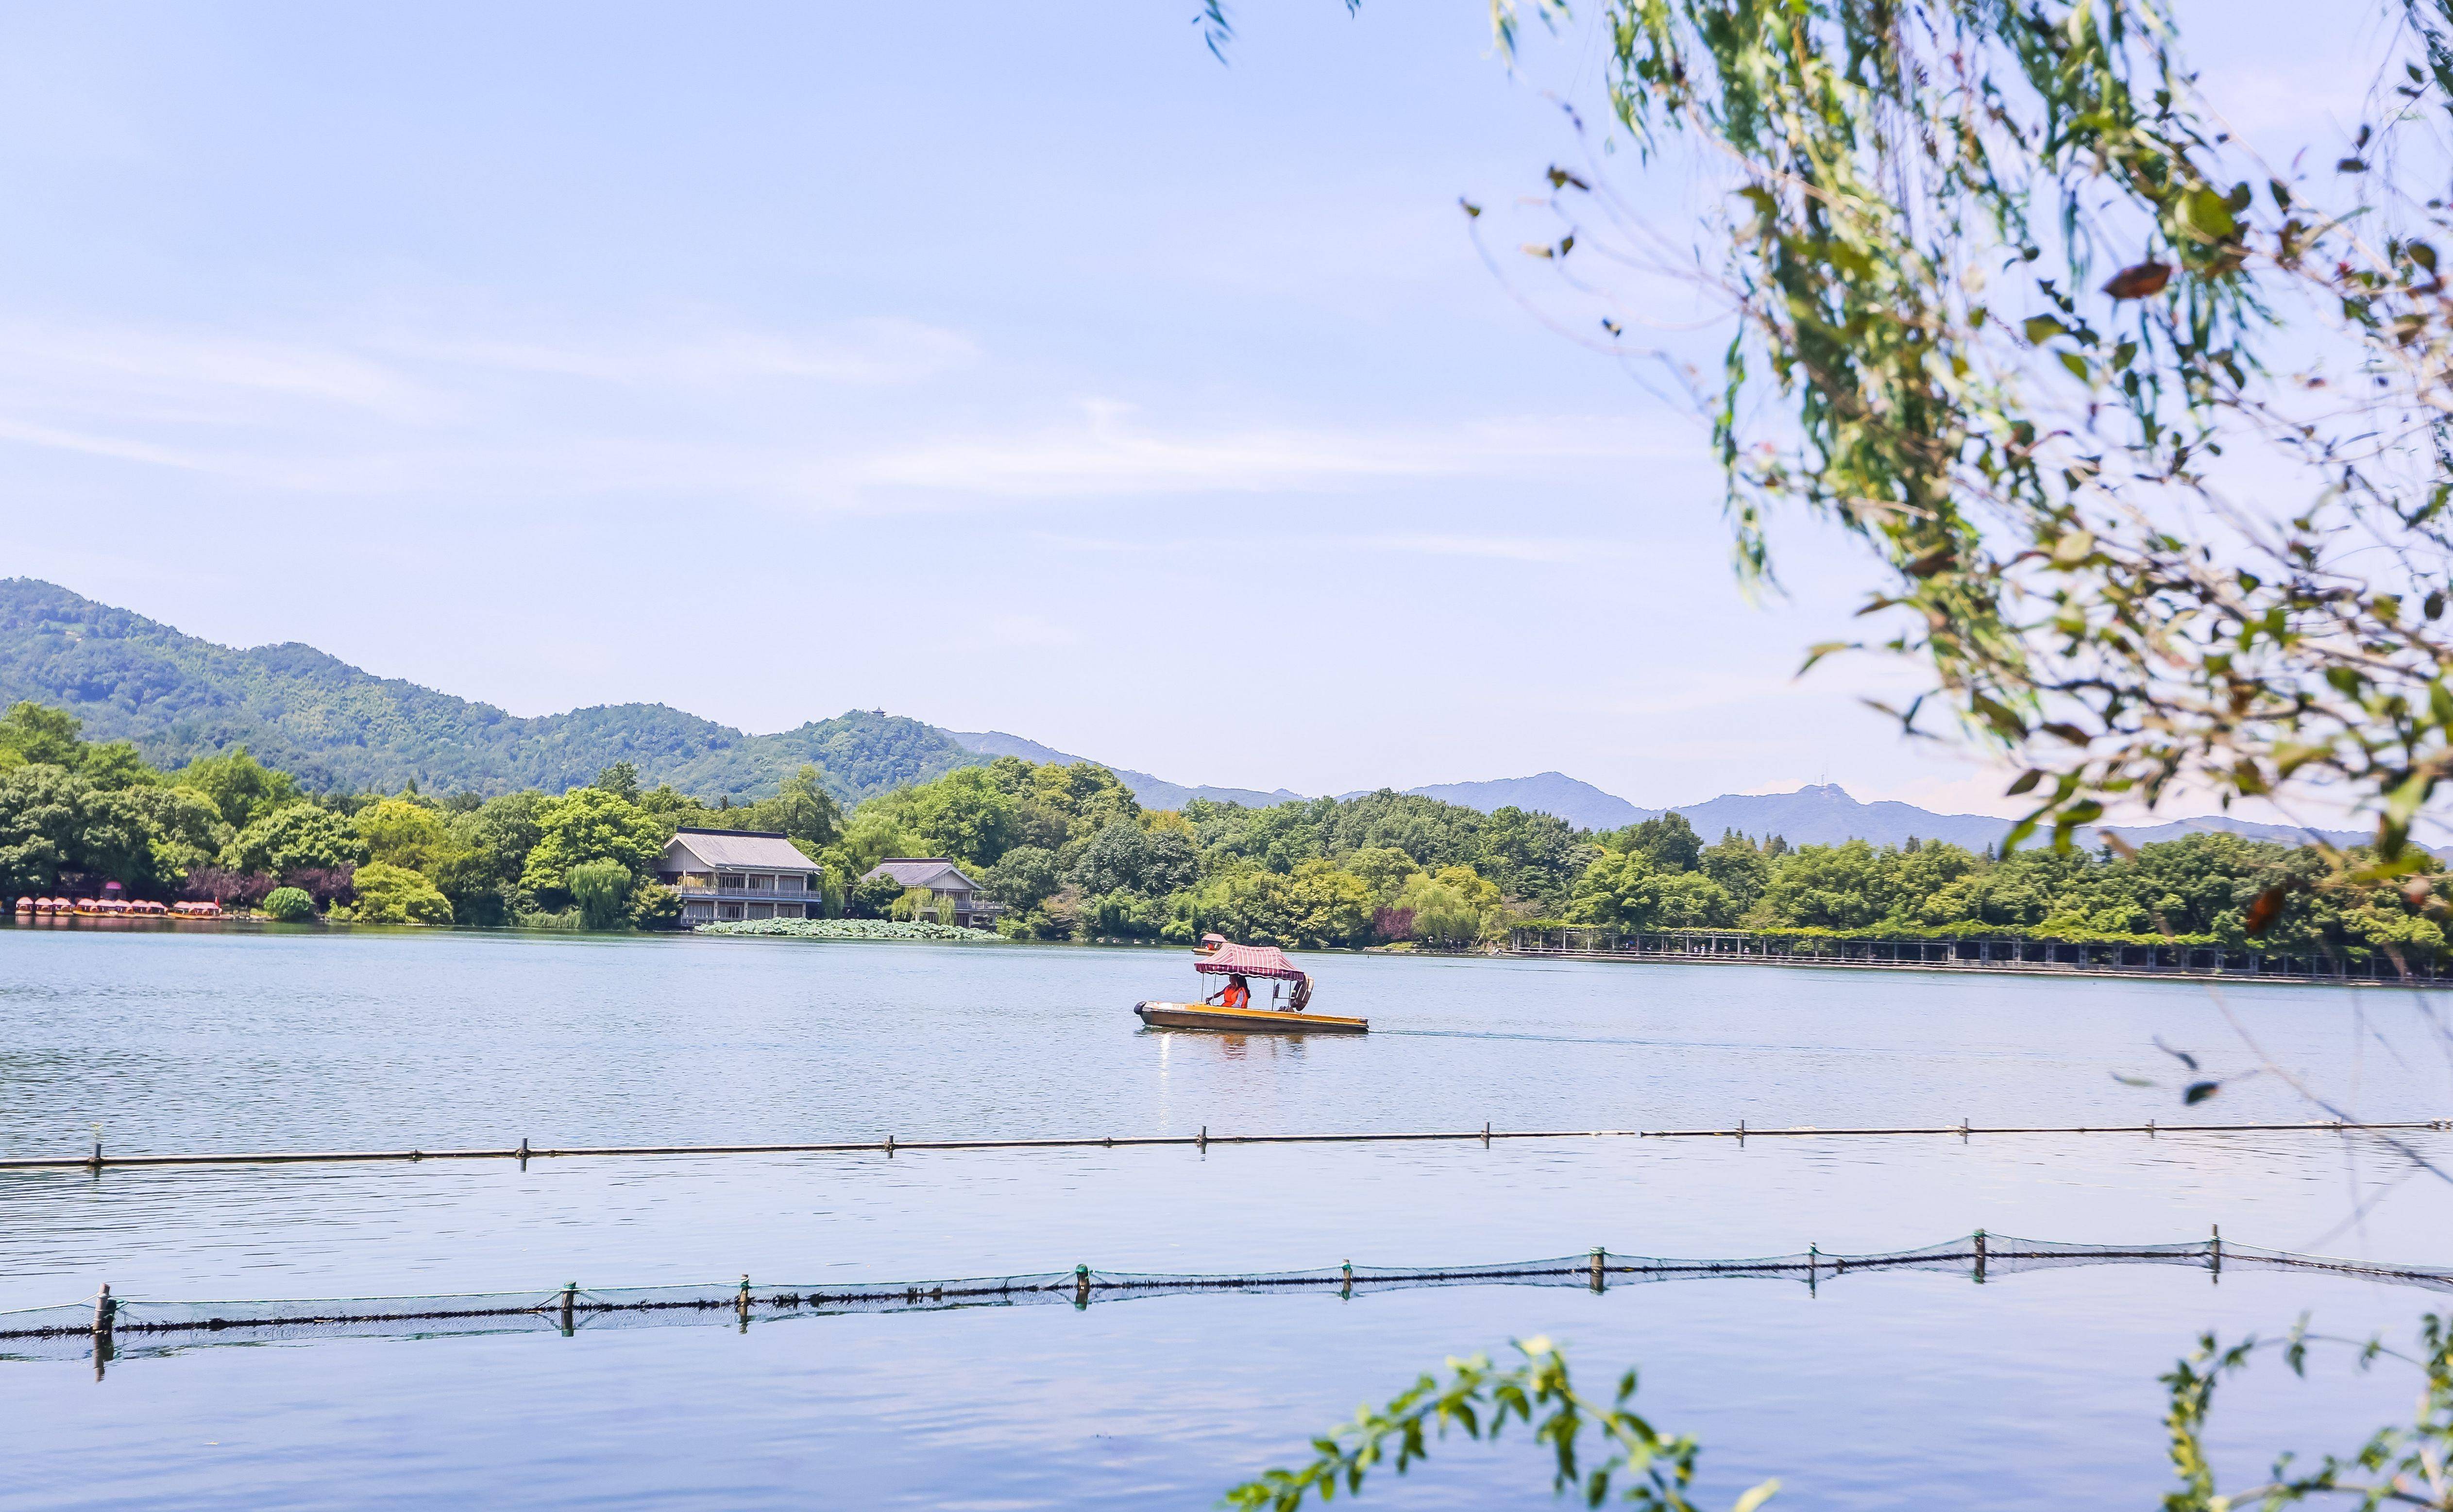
{"x": 1068, "y": 854}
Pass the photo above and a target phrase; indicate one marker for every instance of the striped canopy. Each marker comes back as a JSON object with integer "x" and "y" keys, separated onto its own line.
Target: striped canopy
{"x": 1247, "y": 961}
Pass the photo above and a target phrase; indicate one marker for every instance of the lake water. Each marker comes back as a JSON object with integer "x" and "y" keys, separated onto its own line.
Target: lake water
{"x": 1888, "y": 1390}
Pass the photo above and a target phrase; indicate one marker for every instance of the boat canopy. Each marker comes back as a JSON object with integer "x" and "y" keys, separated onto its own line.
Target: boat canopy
{"x": 1247, "y": 961}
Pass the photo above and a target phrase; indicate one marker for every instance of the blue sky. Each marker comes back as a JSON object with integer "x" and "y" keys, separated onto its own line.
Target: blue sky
{"x": 1012, "y": 368}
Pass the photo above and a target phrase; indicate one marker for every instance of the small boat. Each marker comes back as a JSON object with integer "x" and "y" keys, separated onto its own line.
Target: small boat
{"x": 1235, "y": 1014}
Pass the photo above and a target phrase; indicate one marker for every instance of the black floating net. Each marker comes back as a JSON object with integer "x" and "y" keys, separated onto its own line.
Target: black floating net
{"x": 121, "y": 1327}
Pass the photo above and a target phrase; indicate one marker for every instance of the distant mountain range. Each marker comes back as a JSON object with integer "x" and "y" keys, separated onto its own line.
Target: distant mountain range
{"x": 1152, "y": 792}
{"x": 1580, "y": 803}
{"x": 178, "y": 697}
{"x": 1820, "y": 814}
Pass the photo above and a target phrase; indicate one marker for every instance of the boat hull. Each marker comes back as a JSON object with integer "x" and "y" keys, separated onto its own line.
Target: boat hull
{"x": 1244, "y": 1021}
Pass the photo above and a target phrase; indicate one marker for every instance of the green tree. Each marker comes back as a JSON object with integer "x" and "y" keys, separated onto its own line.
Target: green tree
{"x": 1316, "y": 904}
{"x": 1925, "y": 882}
{"x": 115, "y": 765}
{"x": 963, "y": 815}
{"x": 585, "y": 825}
{"x": 1846, "y": 887}
{"x": 399, "y": 832}
{"x": 1124, "y": 856}
{"x": 183, "y": 828}
{"x": 806, "y": 811}
{"x": 1669, "y": 841}
{"x": 1124, "y": 915}
{"x": 1740, "y": 867}
{"x": 1024, "y": 878}
{"x": 239, "y": 786}
{"x": 482, "y": 856}
{"x": 1384, "y": 870}
{"x": 115, "y": 839}
{"x": 1331, "y": 906}
{"x": 480, "y": 889}
{"x": 1087, "y": 796}
{"x": 391, "y": 894}
{"x": 42, "y": 811}
{"x": 621, "y": 780}
{"x": 297, "y": 837}
{"x": 32, "y": 735}
{"x": 1618, "y": 888}
{"x": 1437, "y": 913}
{"x": 289, "y": 904}
{"x": 1632, "y": 891}
{"x": 601, "y": 888}
{"x": 1689, "y": 900}
{"x": 653, "y": 905}
{"x": 872, "y": 897}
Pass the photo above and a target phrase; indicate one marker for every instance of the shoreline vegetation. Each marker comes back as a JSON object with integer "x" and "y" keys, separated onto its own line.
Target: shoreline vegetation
{"x": 847, "y": 929}
{"x": 1067, "y": 854}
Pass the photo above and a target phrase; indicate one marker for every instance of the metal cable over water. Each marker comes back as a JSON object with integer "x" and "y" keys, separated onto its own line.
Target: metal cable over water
{"x": 97, "y": 1159}
{"x": 109, "y": 1326}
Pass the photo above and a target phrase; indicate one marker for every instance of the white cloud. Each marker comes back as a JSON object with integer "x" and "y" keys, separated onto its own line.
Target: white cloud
{"x": 197, "y": 375}
{"x": 52, "y": 438}
{"x": 1498, "y": 549}
{"x": 1487, "y": 547}
{"x": 463, "y": 415}
{"x": 1106, "y": 455}
{"x": 877, "y": 352}
{"x": 1031, "y": 630}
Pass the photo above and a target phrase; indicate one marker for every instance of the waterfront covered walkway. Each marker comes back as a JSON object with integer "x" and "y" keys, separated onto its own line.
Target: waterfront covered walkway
{"x": 1965, "y": 953}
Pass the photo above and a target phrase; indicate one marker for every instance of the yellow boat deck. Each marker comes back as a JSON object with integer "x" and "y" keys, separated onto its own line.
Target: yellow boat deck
{"x": 1244, "y": 1021}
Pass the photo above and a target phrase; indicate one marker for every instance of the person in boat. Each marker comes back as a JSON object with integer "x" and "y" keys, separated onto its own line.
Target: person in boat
{"x": 1238, "y": 994}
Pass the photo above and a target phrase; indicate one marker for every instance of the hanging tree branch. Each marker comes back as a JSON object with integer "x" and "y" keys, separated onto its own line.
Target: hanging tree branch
{"x": 2138, "y": 549}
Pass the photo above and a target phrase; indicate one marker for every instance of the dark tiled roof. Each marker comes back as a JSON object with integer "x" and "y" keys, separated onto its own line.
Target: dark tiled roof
{"x": 733, "y": 848}
{"x": 936, "y": 873}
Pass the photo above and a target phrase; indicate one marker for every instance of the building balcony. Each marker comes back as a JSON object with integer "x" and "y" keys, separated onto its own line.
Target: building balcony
{"x": 697, "y": 888}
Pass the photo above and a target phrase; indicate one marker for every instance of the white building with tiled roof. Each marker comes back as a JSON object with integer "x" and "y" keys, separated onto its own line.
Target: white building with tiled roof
{"x": 740, "y": 874}
{"x": 941, "y": 877}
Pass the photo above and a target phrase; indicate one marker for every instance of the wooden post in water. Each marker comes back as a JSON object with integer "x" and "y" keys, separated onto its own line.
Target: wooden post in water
{"x": 1486, "y": 1133}
{"x": 743, "y": 1303}
{"x": 1599, "y": 1254}
{"x": 1813, "y": 1262}
{"x": 105, "y": 1313}
{"x": 889, "y": 1146}
{"x": 569, "y": 1299}
{"x": 524, "y": 1152}
{"x": 1980, "y": 1257}
{"x": 1346, "y": 1269}
{"x": 1081, "y": 1286}
{"x": 2214, "y": 1255}
{"x": 1205, "y": 1139}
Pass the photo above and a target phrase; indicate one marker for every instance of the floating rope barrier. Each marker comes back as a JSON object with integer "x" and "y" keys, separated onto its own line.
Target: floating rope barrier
{"x": 112, "y": 1325}
{"x": 890, "y": 1145}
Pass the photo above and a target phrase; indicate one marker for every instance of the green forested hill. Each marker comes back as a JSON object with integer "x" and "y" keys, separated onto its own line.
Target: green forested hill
{"x": 178, "y": 697}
